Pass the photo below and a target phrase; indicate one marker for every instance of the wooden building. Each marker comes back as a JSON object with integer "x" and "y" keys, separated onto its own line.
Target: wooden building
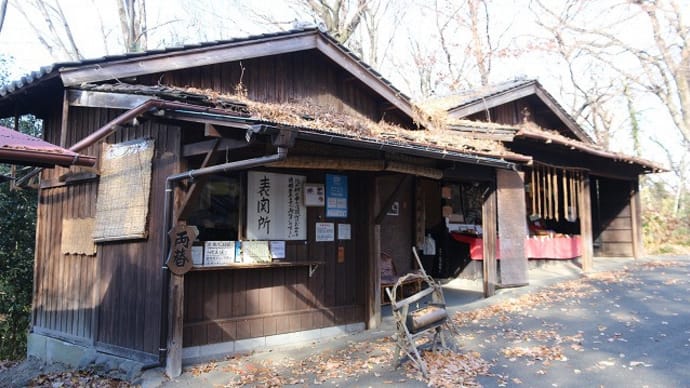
{"x": 584, "y": 197}
{"x": 295, "y": 163}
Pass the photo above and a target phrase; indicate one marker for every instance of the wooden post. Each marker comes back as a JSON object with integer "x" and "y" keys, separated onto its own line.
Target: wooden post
{"x": 173, "y": 364}
{"x": 636, "y": 218}
{"x": 512, "y": 213}
{"x": 373, "y": 284}
{"x": 584, "y": 206}
{"x": 489, "y": 241}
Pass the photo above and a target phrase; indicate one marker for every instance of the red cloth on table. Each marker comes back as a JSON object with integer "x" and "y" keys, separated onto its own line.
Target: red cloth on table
{"x": 561, "y": 247}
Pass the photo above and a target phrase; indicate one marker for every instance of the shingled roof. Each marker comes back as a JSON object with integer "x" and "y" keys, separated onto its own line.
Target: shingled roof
{"x": 200, "y": 54}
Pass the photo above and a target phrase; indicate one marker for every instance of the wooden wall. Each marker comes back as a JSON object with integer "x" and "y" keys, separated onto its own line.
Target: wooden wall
{"x": 303, "y": 76}
{"x": 232, "y": 304}
{"x": 611, "y": 218}
{"x": 111, "y": 299}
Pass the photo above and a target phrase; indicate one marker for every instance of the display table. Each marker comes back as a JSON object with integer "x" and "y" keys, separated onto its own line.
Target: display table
{"x": 536, "y": 247}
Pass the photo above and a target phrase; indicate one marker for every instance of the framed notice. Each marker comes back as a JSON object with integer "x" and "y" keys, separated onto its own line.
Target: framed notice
{"x": 336, "y": 196}
{"x": 325, "y": 231}
{"x": 275, "y": 207}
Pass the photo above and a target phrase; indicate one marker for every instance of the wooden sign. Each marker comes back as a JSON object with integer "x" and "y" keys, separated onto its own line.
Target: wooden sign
{"x": 180, "y": 256}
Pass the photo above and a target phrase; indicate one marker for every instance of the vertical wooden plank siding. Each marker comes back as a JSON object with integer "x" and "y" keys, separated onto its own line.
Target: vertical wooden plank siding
{"x": 636, "y": 216}
{"x": 282, "y": 78}
{"x": 585, "y": 214}
{"x": 489, "y": 226}
{"x": 111, "y": 299}
{"x": 231, "y": 304}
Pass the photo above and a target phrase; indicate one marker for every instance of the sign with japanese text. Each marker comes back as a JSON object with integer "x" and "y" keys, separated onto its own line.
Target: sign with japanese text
{"x": 275, "y": 206}
{"x": 219, "y": 253}
{"x": 336, "y": 196}
{"x": 180, "y": 257}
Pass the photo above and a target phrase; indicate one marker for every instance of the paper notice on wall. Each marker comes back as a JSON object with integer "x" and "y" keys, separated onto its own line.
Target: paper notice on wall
{"x": 344, "y": 232}
{"x": 219, "y": 253}
{"x": 275, "y": 207}
{"x": 255, "y": 252}
{"x": 325, "y": 231}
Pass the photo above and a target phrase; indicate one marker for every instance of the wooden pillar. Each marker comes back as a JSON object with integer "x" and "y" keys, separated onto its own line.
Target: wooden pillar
{"x": 636, "y": 218}
{"x": 373, "y": 284}
{"x": 512, "y": 229}
{"x": 584, "y": 205}
{"x": 489, "y": 241}
{"x": 173, "y": 364}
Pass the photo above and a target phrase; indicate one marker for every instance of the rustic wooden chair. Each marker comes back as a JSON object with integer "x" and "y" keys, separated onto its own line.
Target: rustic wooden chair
{"x": 389, "y": 277}
{"x": 420, "y": 322}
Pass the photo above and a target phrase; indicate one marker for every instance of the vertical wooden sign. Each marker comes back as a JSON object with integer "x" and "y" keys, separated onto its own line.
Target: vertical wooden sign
{"x": 180, "y": 256}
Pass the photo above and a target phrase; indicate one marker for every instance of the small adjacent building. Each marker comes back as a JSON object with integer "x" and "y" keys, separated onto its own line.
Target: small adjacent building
{"x": 245, "y": 191}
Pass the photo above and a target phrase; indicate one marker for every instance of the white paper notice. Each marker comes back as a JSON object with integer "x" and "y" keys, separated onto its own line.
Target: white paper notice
{"x": 325, "y": 231}
{"x": 344, "y": 232}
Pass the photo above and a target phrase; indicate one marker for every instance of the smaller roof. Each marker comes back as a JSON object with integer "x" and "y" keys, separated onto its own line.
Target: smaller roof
{"x": 468, "y": 102}
{"x": 18, "y": 148}
{"x": 534, "y": 133}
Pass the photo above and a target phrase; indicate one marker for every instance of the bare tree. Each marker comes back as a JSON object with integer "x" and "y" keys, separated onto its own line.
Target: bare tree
{"x": 656, "y": 64}
{"x": 57, "y": 37}
{"x": 132, "y": 18}
{"x": 54, "y": 30}
{"x": 460, "y": 44}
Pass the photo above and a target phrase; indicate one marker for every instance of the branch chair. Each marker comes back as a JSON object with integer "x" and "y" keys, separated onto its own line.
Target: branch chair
{"x": 412, "y": 325}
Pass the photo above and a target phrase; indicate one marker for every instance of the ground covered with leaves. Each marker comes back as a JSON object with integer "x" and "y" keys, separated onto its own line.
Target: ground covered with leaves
{"x": 604, "y": 329}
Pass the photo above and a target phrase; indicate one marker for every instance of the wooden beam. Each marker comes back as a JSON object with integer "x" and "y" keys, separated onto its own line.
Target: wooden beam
{"x": 194, "y": 118}
{"x": 636, "y": 220}
{"x": 183, "y": 59}
{"x": 204, "y": 147}
{"x": 63, "y": 123}
{"x": 193, "y": 192}
{"x": 489, "y": 242}
{"x": 584, "y": 206}
{"x": 321, "y": 163}
{"x": 93, "y": 99}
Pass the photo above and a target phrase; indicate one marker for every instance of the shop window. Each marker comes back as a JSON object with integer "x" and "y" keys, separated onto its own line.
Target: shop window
{"x": 216, "y": 212}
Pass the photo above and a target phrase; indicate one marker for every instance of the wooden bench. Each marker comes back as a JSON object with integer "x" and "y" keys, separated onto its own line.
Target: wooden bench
{"x": 389, "y": 277}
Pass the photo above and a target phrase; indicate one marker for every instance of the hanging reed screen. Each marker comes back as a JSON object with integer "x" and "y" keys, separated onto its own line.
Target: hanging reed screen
{"x": 123, "y": 191}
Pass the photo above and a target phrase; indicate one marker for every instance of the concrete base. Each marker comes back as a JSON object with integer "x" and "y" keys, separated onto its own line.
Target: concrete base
{"x": 196, "y": 354}
{"x": 51, "y": 350}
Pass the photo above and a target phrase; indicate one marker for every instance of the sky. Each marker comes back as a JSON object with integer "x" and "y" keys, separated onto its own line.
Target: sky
{"x": 178, "y": 21}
